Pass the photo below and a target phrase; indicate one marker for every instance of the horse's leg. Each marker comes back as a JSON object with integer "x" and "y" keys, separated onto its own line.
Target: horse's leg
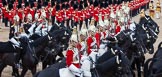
{"x": 15, "y": 72}
{"x": 138, "y": 64}
{"x": 133, "y": 65}
{"x": 60, "y": 54}
{"x": 23, "y": 72}
{"x": 44, "y": 65}
{"x": 33, "y": 70}
{"x": 2, "y": 66}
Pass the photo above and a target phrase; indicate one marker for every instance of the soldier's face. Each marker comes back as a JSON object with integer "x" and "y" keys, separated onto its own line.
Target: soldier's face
{"x": 73, "y": 43}
{"x": 82, "y": 37}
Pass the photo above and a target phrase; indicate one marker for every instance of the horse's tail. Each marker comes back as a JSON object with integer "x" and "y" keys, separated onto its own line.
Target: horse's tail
{"x": 160, "y": 45}
{"x": 36, "y": 75}
{"x": 146, "y": 67}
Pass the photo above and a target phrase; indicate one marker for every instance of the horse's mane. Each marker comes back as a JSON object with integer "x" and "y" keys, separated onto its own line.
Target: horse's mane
{"x": 53, "y": 34}
{"x": 6, "y": 47}
{"x": 40, "y": 40}
{"x": 54, "y": 27}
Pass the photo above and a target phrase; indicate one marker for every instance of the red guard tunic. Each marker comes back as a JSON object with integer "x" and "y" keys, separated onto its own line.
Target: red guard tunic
{"x": 70, "y": 58}
{"x": 53, "y": 11}
{"x": 87, "y": 14}
{"x": 20, "y": 14}
{"x": 76, "y": 16}
{"x": 89, "y": 41}
{"x": 103, "y": 35}
{"x": 68, "y": 15}
{"x": 10, "y": 16}
{"x": 118, "y": 28}
{"x": 103, "y": 12}
{"x": 39, "y": 13}
{"x": 47, "y": 12}
{"x": 91, "y": 10}
{"x": 32, "y": 12}
{"x": 95, "y": 14}
{"x": 80, "y": 15}
{"x": 59, "y": 16}
{"x": 4, "y": 11}
{"x": 97, "y": 37}
{"x": 26, "y": 11}
{"x": 71, "y": 9}
{"x": 63, "y": 14}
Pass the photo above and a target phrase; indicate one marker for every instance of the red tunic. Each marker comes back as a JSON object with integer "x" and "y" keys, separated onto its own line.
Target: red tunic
{"x": 20, "y": 14}
{"x": 63, "y": 14}
{"x": 89, "y": 41}
{"x": 39, "y": 13}
{"x": 32, "y": 12}
{"x": 59, "y": 16}
{"x": 4, "y": 12}
{"x": 91, "y": 10}
{"x": 68, "y": 15}
{"x": 47, "y": 12}
{"x": 80, "y": 15}
{"x": 87, "y": 14}
{"x": 97, "y": 36}
{"x": 95, "y": 14}
{"x": 53, "y": 11}
{"x": 76, "y": 16}
{"x": 71, "y": 9}
{"x": 103, "y": 12}
{"x": 26, "y": 11}
{"x": 69, "y": 58}
{"x": 117, "y": 30}
{"x": 10, "y": 16}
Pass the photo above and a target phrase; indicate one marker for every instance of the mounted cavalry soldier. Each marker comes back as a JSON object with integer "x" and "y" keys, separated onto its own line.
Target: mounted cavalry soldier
{"x": 14, "y": 31}
{"x": 158, "y": 9}
{"x": 91, "y": 40}
{"x": 78, "y": 64}
{"x": 82, "y": 39}
{"x": 28, "y": 23}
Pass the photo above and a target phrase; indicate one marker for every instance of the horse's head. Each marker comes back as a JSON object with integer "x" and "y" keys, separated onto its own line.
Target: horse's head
{"x": 24, "y": 41}
{"x": 60, "y": 38}
{"x": 122, "y": 36}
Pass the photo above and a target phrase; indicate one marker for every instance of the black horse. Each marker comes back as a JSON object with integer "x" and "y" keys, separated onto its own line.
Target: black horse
{"x": 30, "y": 59}
{"x": 105, "y": 66}
{"x": 12, "y": 57}
{"x": 133, "y": 49}
{"x": 55, "y": 48}
{"x": 148, "y": 28}
{"x": 153, "y": 65}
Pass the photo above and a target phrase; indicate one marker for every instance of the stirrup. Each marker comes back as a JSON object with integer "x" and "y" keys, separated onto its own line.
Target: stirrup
{"x": 17, "y": 65}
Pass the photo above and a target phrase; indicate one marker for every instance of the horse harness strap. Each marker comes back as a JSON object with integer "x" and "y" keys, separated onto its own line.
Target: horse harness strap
{"x": 49, "y": 37}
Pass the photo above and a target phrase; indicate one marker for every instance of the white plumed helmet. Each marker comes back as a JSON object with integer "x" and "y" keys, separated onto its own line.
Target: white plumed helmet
{"x": 36, "y": 16}
{"x": 74, "y": 36}
{"x": 83, "y": 32}
{"x": 92, "y": 28}
{"x": 29, "y": 16}
{"x": 112, "y": 14}
{"x": 83, "y": 29}
{"x": 43, "y": 15}
{"x": 16, "y": 18}
{"x": 121, "y": 19}
{"x": 106, "y": 22}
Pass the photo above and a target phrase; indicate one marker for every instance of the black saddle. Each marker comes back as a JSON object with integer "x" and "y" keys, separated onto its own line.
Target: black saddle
{"x": 7, "y": 47}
